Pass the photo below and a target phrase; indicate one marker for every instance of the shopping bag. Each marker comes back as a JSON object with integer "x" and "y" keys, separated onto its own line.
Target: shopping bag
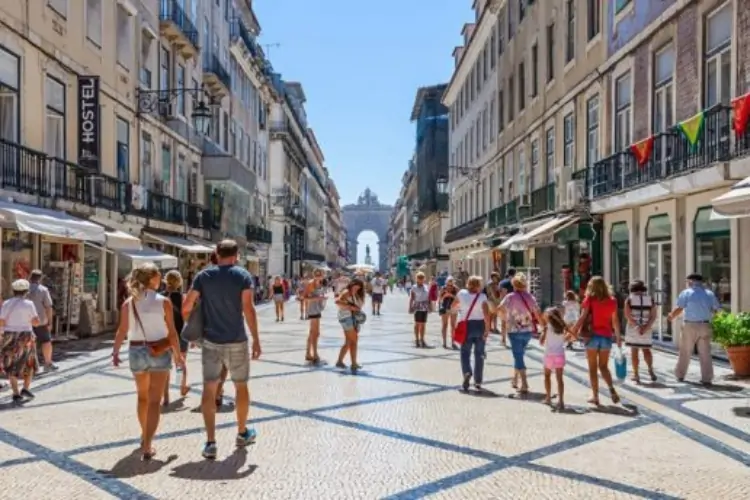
{"x": 621, "y": 364}
{"x": 462, "y": 327}
{"x": 192, "y": 331}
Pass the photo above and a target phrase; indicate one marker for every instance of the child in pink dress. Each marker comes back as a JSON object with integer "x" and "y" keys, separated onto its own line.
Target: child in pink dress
{"x": 554, "y": 338}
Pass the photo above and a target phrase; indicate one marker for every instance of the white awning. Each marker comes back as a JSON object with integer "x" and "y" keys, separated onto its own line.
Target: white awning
{"x": 735, "y": 202}
{"x": 31, "y": 219}
{"x": 477, "y": 252}
{"x": 252, "y": 258}
{"x": 120, "y": 240}
{"x": 144, "y": 255}
{"x": 505, "y": 245}
{"x": 183, "y": 244}
{"x": 547, "y": 229}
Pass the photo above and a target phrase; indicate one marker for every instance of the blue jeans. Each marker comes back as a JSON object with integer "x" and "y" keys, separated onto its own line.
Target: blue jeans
{"x": 475, "y": 338}
{"x": 518, "y": 343}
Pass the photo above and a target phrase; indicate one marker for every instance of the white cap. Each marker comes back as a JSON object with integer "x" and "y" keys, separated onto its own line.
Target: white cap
{"x": 20, "y": 286}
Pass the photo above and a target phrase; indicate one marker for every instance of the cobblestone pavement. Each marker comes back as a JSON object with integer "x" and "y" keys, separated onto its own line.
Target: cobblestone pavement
{"x": 401, "y": 429}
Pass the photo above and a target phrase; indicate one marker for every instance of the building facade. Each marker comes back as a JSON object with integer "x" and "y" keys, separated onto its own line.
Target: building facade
{"x": 335, "y": 251}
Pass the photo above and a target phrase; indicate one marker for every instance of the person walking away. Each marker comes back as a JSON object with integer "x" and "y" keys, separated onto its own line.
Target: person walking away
{"x": 18, "y": 318}
{"x": 276, "y": 291}
{"x": 300, "y": 292}
{"x": 555, "y": 336}
{"x": 350, "y": 302}
{"x": 504, "y": 288}
{"x": 419, "y": 305}
{"x": 520, "y": 312}
{"x": 226, "y": 301}
{"x": 600, "y": 308}
{"x": 214, "y": 261}
{"x": 697, "y": 305}
{"x": 493, "y": 292}
{"x": 378, "y": 290}
{"x": 147, "y": 321}
{"x": 572, "y": 312}
{"x": 408, "y": 286}
{"x": 448, "y": 315}
{"x": 315, "y": 298}
{"x": 40, "y": 296}
{"x": 640, "y": 314}
{"x": 173, "y": 292}
{"x": 472, "y": 303}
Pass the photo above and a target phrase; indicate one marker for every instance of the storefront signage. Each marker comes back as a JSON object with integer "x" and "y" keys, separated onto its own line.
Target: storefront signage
{"x": 89, "y": 122}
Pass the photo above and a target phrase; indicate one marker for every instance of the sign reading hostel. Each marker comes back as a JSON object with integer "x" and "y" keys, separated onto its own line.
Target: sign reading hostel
{"x": 89, "y": 122}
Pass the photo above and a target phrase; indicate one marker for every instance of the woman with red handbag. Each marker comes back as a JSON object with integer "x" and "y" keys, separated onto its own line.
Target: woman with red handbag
{"x": 472, "y": 330}
{"x": 520, "y": 311}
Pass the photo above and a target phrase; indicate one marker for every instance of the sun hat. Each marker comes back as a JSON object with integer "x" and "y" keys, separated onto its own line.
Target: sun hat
{"x": 20, "y": 285}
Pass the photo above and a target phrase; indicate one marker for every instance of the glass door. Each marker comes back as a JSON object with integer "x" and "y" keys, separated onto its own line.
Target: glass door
{"x": 659, "y": 275}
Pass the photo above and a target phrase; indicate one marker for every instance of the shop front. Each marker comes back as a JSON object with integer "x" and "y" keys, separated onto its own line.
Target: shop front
{"x": 192, "y": 256}
{"x": 38, "y": 238}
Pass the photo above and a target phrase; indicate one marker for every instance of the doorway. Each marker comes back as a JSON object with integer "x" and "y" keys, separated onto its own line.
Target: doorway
{"x": 659, "y": 262}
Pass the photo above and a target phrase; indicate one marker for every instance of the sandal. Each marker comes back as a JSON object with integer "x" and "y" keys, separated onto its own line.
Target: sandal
{"x": 593, "y": 401}
{"x": 148, "y": 455}
{"x": 652, "y": 375}
{"x": 613, "y": 394}
{"x": 635, "y": 378}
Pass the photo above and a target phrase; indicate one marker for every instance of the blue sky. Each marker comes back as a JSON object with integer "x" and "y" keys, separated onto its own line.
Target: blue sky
{"x": 360, "y": 63}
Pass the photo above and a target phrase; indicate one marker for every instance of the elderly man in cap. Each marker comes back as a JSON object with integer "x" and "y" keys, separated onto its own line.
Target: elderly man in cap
{"x": 697, "y": 304}
{"x": 39, "y": 295}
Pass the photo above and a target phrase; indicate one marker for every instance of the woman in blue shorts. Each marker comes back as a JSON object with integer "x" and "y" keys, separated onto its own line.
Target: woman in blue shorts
{"x": 351, "y": 317}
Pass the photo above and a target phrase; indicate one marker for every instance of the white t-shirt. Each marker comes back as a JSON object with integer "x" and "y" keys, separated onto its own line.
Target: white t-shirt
{"x": 572, "y": 311}
{"x": 554, "y": 343}
{"x": 465, "y": 298}
{"x": 378, "y": 284}
{"x": 18, "y": 314}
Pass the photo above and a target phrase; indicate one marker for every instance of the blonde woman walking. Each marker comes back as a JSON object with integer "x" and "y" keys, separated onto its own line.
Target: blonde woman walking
{"x": 277, "y": 294}
{"x": 173, "y": 282}
{"x": 147, "y": 320}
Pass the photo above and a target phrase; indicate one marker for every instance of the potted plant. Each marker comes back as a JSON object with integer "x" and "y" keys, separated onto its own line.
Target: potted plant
{"x": 732, "y": 332}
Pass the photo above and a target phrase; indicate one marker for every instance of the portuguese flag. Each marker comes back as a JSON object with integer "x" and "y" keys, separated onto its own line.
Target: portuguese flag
{"x": 642, "y": 150}
{"x": 741, "y": 107}
{"x": 692, "y": 129}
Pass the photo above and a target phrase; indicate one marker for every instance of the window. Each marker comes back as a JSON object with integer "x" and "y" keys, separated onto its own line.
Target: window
{"x": 594, "y": 17}
{"x": 477, "y": 150}
{"x": 164, "y": 83}
{"x": 570, "y": 39}
{"x": 477, "y": 75}
{"x": 94, "y": 21}
{"x": 194, "y": 10}
{"x": 54, "y": 139}
{"x": 485, "y": 128}
{"x": 569, "y": 139}
{"x": 534, "y": 70}
{"x": 180, "y": 84}
{"x": 521, "y": 10}
{"x": 663, "y": 101}
{"x": 510, "y": 99}
{"x": 713, "y": 254}
{"x": 471, "y": 144}
{"x": 225, "y": 129}
{"x": 521, "y": 86}
{"x": 550, "y": 52}
{"x": 592, "y": 131}
{"x": 180, "y": 191}
{"x": 166, "y": 169}
{"x": 493, "y": 49}
{"x": 232, "y": 149}
{"x": 147, "y": 162}
{"x": 59, "y": 6}
{"x": 509, "y": 18}
{"x": 492, "y": 121}
{"x": 619, "y": 240}
{"x": 193, "y": 184}
{"x": 718, "y": 57}
{"x": 534, "y": 176}
{"x": 550, "y": 161}
{"x": 622, "y": 132}
{"x": 9, "y": 96}
{"x": 145, "y": 75}
{"x": 621, "y": 4}
{"x": 500, "y": 111}
{"x": 500, "y": 25}
{"x": 124, "y": 37}
{"x": 485, "y": 64}
{"x": 123, "y": 150}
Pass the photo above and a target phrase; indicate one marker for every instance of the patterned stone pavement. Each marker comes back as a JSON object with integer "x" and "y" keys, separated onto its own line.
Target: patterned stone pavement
{"x": 401, "y": 429}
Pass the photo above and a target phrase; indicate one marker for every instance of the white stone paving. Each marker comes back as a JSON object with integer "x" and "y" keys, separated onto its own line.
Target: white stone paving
{"x": 400, "y": 429}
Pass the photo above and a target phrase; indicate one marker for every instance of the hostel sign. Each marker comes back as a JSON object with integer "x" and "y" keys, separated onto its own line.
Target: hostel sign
{"x": 89, "y": 123}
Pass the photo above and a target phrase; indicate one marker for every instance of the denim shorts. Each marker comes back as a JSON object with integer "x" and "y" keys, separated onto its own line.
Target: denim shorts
{"x": 235, "y": 356}
{"x": 599, "y": 343}
{"x": 348, "y": 323}
{"x": 141, "y": 360}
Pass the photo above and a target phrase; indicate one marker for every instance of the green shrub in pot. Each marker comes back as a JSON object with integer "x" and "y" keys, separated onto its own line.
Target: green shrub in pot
{"x": 731, "y": 330}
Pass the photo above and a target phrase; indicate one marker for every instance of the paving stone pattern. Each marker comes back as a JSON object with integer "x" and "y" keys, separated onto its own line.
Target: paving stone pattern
{"x": 400, "y": 429}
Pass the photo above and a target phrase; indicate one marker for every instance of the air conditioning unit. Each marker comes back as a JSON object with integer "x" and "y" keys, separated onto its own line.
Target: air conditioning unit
{"x": 524, "y": 200}
{"x": 166, "y": 109}
{"x": 574, "y": 193}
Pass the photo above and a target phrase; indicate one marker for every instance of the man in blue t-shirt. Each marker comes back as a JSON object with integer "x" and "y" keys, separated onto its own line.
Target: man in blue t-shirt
{"x": 226, "y": 301}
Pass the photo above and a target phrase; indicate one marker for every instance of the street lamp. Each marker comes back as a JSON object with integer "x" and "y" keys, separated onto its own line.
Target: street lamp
{"x": 442, "y": 184}
{"x": 415, "y": 217}
{"x": 201, "y": 118}
{"x": 295, "y": 210}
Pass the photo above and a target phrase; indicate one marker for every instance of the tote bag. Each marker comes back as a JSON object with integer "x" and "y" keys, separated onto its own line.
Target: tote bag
{"x": 462, "y": 327}
{"x": 193, "y": 329}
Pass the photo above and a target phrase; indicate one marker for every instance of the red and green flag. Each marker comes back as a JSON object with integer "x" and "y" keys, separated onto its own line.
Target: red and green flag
{"x": 741, "y": 107}
{"x": 642, "y": 150}
{"x": 692, "y": 129}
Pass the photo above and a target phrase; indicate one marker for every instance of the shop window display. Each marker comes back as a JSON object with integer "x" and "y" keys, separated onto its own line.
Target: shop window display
{"x": 713, "y": 254}
{"x": 16, "y": 258}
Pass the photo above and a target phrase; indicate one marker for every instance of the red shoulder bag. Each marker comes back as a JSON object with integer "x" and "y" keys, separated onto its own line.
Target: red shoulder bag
{"x": 462, "y": 327}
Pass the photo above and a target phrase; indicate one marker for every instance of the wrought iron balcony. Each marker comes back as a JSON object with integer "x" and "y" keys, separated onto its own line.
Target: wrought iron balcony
{"x": 543, "y": 200}
{"x": 177, "y": 27}
{"x": 671, "y": 155}
{"x": 466, "y": 229}
{"x": 238, "y": 31}
{"x": 215, "y": 75}
{"x": 258, "y": 234}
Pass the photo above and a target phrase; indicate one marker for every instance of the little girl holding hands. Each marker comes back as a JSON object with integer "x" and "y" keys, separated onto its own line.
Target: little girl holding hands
{"x": 555, "y": 335}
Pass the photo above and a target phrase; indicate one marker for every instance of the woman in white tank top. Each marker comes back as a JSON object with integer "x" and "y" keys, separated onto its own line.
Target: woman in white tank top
{"x": 147, "y": 320}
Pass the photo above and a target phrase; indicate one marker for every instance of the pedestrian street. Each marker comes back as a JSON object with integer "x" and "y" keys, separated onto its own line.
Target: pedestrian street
{"x": 399, "y": 429}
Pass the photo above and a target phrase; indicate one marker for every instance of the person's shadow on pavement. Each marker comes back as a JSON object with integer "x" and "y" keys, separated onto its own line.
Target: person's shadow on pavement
{"x": 132, "y": 465}
{"x": 215, "y": 470}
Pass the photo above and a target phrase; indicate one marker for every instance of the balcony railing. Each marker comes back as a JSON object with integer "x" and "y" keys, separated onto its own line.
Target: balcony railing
{"x": 32, "y": 172}
{"x": 237, "y": 30}
{"x": 466, "y": 229}
{"x": 258, "y": 234}
{"x": 212, "y": 65}
{"x": 543, "y": 200}
{"x": 171, "y": 11}
{"x": 672, "y": 155}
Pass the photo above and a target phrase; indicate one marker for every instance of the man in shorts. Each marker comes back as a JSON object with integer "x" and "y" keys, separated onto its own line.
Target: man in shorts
{"x": 378, "y": 284}
{"x": 39, "y": 295}
{"x": 225, "y": 292}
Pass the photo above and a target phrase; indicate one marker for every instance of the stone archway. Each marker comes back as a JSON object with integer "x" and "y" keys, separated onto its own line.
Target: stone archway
{"x": 368, "y": 214}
